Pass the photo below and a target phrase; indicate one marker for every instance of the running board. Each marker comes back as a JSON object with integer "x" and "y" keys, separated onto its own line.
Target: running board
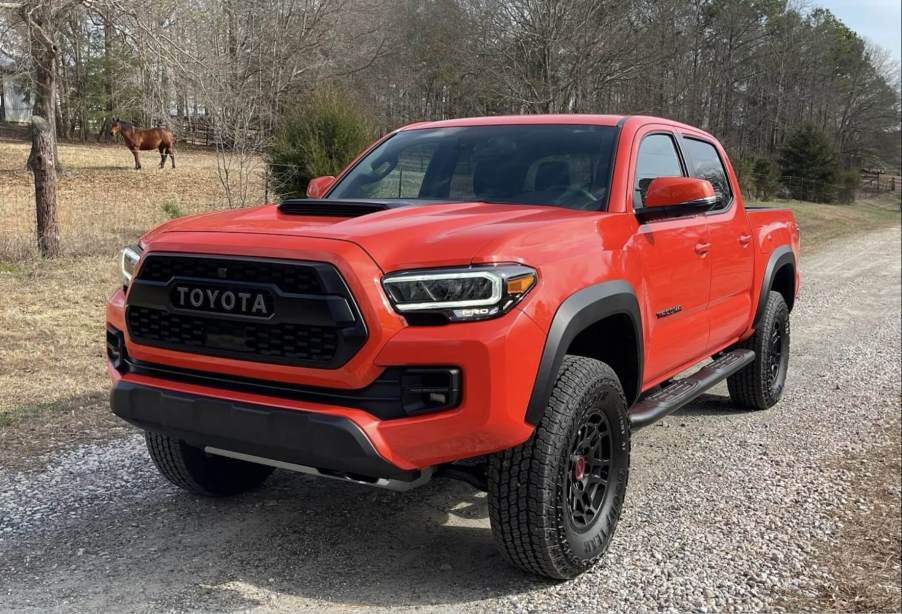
{"x": 670, "y": 398}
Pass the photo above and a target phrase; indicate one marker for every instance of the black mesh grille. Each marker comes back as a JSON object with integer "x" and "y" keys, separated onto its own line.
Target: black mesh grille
{"x": 293, "y": 278}
{"x": 289, "y": 341}
{"x": 314, "y": 322}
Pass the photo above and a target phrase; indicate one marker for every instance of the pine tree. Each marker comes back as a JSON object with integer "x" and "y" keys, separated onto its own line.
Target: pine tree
{"x": 809, "y": 165}
{"x": 767, "y": 178}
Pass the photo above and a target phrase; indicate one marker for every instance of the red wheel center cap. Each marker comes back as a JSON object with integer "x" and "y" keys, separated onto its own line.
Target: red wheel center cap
{"x": 579, "y": 467}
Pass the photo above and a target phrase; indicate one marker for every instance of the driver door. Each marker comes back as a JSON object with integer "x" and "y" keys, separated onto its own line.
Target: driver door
{"x": 673, "y": 252}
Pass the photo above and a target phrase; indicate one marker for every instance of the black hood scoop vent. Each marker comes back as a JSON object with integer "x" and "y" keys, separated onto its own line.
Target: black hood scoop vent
{"x": 334, "y": 208}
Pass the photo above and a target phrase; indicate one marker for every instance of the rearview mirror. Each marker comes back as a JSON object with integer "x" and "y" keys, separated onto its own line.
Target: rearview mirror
{"x": 679, "y": 192}
{"x": 318, "y": 186}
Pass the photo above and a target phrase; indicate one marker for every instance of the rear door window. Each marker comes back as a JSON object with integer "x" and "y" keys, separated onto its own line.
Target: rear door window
{"x": 705, "y": 163}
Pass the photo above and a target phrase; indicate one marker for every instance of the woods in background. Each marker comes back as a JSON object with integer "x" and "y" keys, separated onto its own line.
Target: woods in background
{"x": 753, "y": 72}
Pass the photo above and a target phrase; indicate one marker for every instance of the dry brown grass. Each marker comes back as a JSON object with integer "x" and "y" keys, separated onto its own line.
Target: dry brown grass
{"x": 53, "y": 384}
{"x": 103, "y": 202}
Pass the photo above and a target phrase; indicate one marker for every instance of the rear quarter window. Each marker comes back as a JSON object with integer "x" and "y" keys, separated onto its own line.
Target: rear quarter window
{"x": 705, "y": 163}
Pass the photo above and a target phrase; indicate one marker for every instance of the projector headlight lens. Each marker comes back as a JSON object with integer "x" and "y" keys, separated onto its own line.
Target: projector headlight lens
{"x": 460, "y": 294}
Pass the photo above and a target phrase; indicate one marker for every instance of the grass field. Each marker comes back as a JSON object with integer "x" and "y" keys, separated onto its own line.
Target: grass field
{"x": 52, "y": 378}
{"x": 103, "y": 202}
{"x": 820, "y": 224}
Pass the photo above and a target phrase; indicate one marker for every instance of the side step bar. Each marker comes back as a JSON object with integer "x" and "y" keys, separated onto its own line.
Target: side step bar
{"x": 670, "y": 398}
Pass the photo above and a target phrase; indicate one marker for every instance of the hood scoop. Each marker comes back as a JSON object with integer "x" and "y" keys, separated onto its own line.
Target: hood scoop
{"x": 332, "y": 208}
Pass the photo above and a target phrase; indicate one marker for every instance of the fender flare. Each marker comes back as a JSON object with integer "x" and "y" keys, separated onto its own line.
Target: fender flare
{"x": 575, "y": 314}
{"x": 780, "y": 257}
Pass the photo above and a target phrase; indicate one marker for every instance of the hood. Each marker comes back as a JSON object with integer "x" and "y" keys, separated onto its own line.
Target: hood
{"x": 415, "y": 236}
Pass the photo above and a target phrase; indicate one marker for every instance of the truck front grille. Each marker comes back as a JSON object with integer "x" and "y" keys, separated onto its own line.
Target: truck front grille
{"x": 295, "y": 278}
{"x": 314, "y": 321}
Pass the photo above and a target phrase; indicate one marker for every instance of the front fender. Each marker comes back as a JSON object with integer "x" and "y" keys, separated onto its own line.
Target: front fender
{"x": 576, "y": 314}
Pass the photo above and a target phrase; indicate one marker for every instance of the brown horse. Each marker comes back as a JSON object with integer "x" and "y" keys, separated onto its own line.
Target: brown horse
{"x": 145, "y": 140}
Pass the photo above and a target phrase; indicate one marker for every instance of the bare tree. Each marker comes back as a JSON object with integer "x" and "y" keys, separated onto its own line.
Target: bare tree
{"x": 749, "y": 71}
{"x": 241, "y": 61}
{"x": 41, "y": 20}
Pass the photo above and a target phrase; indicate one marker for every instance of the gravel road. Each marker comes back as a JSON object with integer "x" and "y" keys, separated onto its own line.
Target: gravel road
{"x": 724, "y": 511}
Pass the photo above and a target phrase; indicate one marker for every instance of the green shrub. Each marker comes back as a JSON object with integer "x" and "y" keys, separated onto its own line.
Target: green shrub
{"x": 849, "y": 182}
{"x": 744, "y": 169}
{"x": 809, "y": 166}
{"x": 319, "y": 136}
{"x": 171, "y": 209}
{"x": 767, "y": 178}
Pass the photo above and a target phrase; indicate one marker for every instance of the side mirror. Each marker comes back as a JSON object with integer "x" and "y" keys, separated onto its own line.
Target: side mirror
{"x": 679, "y": 192}
{"x": 318, "y": 186}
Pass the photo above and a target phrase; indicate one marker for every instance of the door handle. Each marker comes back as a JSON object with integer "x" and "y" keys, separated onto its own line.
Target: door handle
{"x": 702, "y": 248}
{"x": 745, "y": 239}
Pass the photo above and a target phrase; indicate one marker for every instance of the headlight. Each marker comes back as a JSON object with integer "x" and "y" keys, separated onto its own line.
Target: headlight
{"x": 128, "y": 262}
{"x": 464, "y": 294}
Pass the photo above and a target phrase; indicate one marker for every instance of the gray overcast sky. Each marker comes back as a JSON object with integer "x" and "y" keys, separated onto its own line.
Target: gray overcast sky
{"x": 879, "y": 21}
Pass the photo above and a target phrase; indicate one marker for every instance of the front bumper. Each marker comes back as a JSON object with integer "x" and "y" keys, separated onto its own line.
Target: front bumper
{"x": 331, "y": 444}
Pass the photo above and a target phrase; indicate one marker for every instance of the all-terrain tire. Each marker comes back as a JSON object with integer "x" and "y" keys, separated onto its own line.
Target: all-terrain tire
{"x": 537, "y": 507}
{"x": 760, "y": 384}
{"x": 192, "y": 469}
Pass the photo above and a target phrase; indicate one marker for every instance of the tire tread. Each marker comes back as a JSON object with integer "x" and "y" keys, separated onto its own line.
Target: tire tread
{"x": 522, "y": 479}
{"x": 749, "y": 387}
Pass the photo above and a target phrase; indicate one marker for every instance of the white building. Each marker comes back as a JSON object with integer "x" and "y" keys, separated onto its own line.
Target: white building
{"x": 16, "y": 107}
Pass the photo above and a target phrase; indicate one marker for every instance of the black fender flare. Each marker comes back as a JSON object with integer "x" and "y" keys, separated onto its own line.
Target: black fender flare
{"x": 780, "y": 257}
{"x": 575, "y": 314}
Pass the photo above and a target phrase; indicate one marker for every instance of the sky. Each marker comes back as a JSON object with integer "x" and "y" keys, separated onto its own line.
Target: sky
{"x": 879, "y": 21}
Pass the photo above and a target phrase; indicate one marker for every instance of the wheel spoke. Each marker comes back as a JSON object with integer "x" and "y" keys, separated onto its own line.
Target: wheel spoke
{"x": 592, "y": 478}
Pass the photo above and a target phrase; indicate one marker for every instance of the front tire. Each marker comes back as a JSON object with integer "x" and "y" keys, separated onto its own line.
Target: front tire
{"x": 555, "y": 500}
{"x": 208, "y": 475}
{"x": 760, "y": 384}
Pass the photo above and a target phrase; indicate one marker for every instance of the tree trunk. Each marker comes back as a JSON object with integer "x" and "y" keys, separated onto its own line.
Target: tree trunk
{"x": 43, "y": 55}
{"x": 44, "y": 169}
{"x": 81, "y": 110}
{"x": 104, "y": 133}
{"x": 2, "y": 101}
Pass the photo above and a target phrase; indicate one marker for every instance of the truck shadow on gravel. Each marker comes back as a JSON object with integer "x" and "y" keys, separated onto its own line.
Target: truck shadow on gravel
{"x": 711, "y": 404}
{"x": 298, "y": 541}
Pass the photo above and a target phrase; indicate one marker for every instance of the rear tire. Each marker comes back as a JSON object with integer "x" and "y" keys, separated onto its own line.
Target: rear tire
{"x": 760, "y": 384}
{"x": 554, "y": 501}
{"x": 208, "y": 475}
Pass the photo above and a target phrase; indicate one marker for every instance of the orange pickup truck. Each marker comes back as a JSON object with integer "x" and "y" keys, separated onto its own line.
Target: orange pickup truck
{"x": 501, "y": 300}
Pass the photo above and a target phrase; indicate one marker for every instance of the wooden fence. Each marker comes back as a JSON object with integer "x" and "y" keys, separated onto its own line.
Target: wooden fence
{"x": 876, "y": 181}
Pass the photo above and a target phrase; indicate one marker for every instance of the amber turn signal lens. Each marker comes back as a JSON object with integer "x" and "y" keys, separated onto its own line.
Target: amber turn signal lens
{"x": 519, "y": 285}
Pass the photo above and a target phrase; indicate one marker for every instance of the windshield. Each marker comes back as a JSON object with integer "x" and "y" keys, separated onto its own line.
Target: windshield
{"x": 559, "y": 165}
